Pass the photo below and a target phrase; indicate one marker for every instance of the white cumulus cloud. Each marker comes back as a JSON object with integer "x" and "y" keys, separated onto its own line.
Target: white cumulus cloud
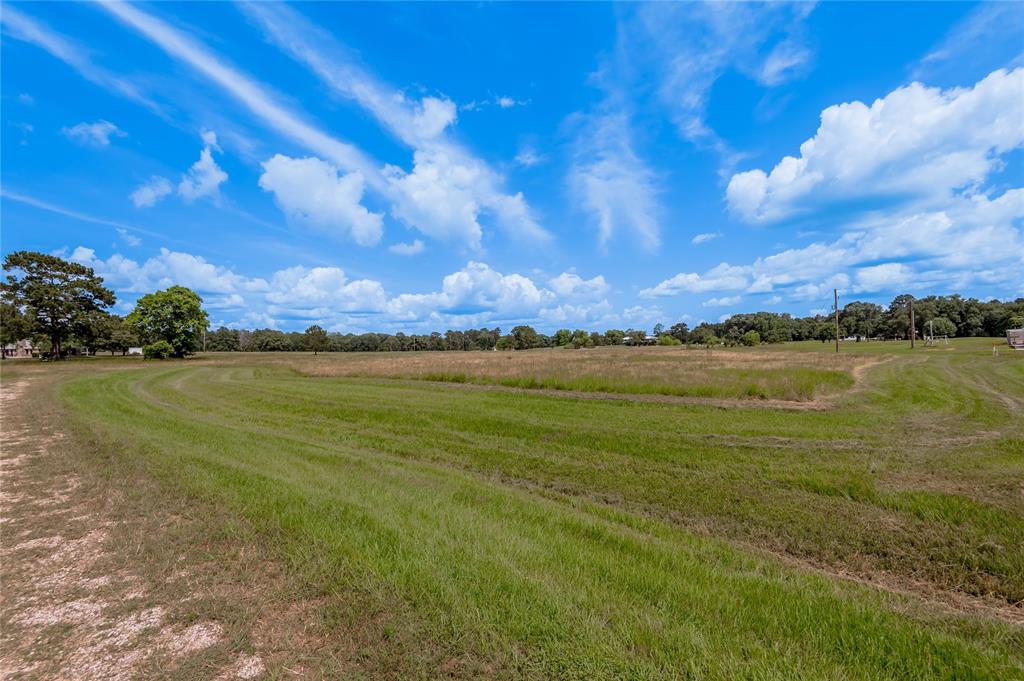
{"x": 438, "y": 197}
{"x": 916, "y": 142}
{"x": 151, "y": 192}
{"x": 722, "y": 277}
{"x": 292, "y": 297}
{"x": 448, "y": 189}
{"x": 169, "y": 268}
{"x": 884, "y": 277}
{"x": 315, "y": 192}
{"x": 572, "y": 285}
{"x": 204, "y": 177}
{"x": 301, "y": 287}
{"x": 972, "y": 240}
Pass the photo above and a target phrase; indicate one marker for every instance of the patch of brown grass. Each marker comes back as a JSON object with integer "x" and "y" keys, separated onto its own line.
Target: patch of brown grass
{"x": 666, "y": 370}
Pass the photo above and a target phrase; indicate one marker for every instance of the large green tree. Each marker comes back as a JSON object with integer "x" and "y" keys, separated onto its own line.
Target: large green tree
{"x": 55, "y": 294}
{"x": 316, "y": 339}
{"x": 898, "y": 316}
{"x": 175, "y": 315}
{"x": 861, "y": 319}
{"x": 525, "y": 337}
{"x": 614, "y": 336}
{"x": 680, "y": 331}
{"x": 580, "y": 339}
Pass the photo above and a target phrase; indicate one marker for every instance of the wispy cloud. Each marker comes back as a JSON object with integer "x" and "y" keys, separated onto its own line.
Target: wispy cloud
{"x": 246, "y": 90}
{"x": 528, "y": 156}
{"x": 609, "y": 176}
{"x": 723, "y": 301}
{"x": 414, "y": 248}
{"x": 683, "y": 49}
{"x": 27, "y": 29}
{"x": 128, "y": 237}
{"x": 988, "y": 37}
{"x": 502, "y": 102}
{"x": 787, "y": 59}
{"x": 67, "y": 212}
{"x": 613, "y": 183}
{"x": 688, "y": 46}
{"x": 704, "y": 237}
{"x": 24, "y": 128}
{"x": 94, "y": 134}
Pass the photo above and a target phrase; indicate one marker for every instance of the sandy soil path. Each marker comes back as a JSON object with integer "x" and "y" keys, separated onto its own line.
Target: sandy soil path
{"x": 65, "y": 612}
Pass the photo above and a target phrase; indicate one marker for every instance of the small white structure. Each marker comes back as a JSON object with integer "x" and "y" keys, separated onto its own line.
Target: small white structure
{"x": 134, "y": 351}
{"x": 1015, "y": 338}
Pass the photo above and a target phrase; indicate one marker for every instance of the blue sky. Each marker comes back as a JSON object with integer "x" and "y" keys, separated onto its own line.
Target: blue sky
{"x": 431, "y": 166}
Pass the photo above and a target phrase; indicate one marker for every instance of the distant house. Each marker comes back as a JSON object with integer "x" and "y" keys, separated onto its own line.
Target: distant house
{"x": 23, "y": 349}
{"x": 134, "y": 351}
{"x": 1015, "y": 338}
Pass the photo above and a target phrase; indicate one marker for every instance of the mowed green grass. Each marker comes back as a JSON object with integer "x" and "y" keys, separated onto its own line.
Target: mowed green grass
{"x": 579, "y": 538}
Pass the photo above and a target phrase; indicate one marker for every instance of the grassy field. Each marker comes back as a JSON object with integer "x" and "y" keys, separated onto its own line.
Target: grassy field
{"x": 681, "y": 371}
{"x": 557, "y": 535}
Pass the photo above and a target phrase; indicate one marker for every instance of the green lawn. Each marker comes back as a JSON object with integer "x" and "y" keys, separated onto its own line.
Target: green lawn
{"x": 581, "y": 538}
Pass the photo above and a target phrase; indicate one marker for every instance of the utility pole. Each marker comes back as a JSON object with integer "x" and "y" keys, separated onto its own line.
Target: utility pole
{"x": 913, "y": 329}
{"x": 835, "y": 296}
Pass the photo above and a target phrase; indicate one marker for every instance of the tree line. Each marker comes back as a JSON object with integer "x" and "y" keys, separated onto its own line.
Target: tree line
{"x": 60, "y": 304}
{"x": 939, "y": 315}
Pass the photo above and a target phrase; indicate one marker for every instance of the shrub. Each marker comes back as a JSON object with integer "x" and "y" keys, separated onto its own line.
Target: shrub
{"x": 750, "y": 338}
{"x": 159, "y": 350}
{"x": 666, "y": 339}
{"x": 941, "y": 326}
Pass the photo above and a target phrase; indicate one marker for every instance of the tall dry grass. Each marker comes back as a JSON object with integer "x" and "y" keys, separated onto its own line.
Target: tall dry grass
{"x": 660, "y": 370}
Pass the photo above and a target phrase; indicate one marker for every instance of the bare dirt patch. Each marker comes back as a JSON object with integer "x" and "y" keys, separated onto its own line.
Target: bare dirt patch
{"x": 66, "y": 612}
